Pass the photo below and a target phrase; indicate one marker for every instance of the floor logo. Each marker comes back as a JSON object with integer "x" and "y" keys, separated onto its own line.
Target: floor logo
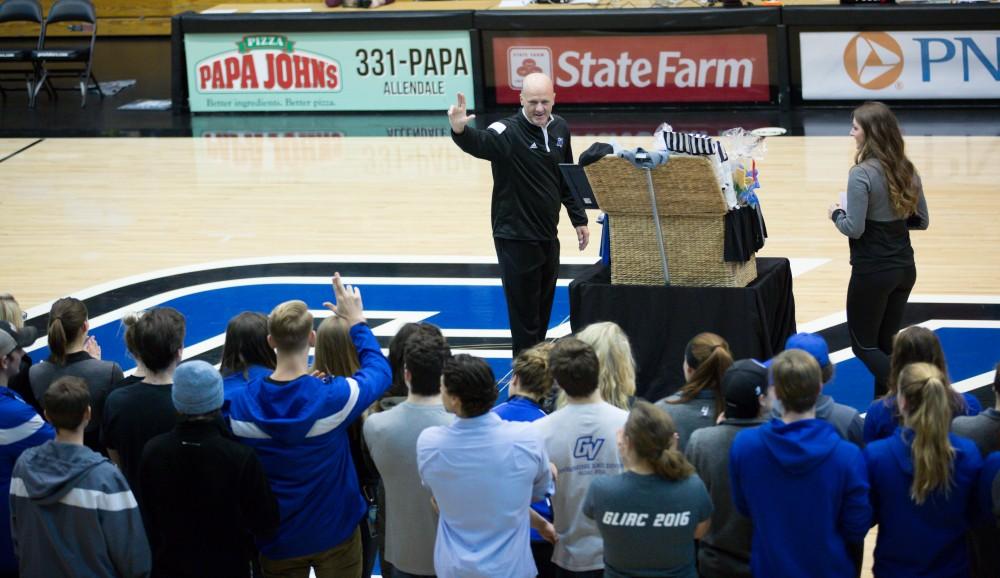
{"x": 873, "y": 60}
{"x": 524, "y": 60}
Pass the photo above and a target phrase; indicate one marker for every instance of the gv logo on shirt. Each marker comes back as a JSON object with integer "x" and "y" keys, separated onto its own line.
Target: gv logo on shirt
{"x": 587, "y": 447}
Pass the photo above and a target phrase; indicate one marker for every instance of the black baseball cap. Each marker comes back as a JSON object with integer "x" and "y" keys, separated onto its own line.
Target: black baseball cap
{"x": 743, "y": 383}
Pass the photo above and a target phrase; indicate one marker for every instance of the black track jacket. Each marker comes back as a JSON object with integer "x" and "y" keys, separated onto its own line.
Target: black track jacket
{"x": 527, "y": 184}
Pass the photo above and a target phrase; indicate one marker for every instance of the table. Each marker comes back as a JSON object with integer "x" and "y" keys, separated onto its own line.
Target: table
{"x": 755, "y": 320}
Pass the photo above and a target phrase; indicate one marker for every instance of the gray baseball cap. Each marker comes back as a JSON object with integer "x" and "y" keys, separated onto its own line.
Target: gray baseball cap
{"x": 11, "y": 338}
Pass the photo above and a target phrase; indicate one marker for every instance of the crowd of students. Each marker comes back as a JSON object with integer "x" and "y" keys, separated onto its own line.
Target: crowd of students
{"x": 274, "y": 465}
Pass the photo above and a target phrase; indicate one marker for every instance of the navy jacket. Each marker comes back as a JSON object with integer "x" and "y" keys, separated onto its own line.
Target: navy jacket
{"x": 805, "y": 490}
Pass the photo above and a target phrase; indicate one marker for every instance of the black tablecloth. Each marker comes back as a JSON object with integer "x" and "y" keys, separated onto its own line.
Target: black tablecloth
{"x": 755, "y": 320}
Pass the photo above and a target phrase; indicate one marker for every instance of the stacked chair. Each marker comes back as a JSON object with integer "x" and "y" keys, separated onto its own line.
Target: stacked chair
{"x": 17, "y": 62}
{"x": 74, "y": 62}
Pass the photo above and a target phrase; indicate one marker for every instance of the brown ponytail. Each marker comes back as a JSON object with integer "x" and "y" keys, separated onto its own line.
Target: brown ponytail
{"x": 709, "y": 357}
{"x": 66, "y": 320}
{"x": 651, "y": 433}
{"x": 927, "y": 411}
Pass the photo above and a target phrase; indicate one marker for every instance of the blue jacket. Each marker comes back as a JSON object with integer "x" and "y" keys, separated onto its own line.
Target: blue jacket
{"x": 519, "y": 408}
{"x": 882, "y": 418}
{"x": 806, "y": 491}
{"x": 299, "y": 430}
{"x": 928, "y": 539}
{"x": 20, "y": 428}
{"x": 236, "y": 382}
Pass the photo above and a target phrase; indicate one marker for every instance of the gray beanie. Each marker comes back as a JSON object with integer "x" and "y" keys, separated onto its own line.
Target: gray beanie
{"x": 197, "y": 388}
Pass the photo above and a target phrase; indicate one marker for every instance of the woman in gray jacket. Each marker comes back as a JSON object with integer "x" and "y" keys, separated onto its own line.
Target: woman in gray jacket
{"x": 73, "y": 352}
{"x": 885, "y": 199}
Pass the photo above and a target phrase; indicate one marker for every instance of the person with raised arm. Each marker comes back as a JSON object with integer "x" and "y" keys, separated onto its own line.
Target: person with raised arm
{"x": 525, "y": 151}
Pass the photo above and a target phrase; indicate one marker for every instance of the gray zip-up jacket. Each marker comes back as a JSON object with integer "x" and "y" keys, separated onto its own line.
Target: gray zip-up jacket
{"x": 725, "y": 551}
{"x": 72, "y": 514}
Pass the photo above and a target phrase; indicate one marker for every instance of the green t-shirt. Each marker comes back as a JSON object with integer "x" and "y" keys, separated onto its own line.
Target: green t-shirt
{"x": 648, "y": 523}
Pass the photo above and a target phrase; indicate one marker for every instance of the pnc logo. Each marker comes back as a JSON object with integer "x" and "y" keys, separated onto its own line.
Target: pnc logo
{"x": 873, "y": 60}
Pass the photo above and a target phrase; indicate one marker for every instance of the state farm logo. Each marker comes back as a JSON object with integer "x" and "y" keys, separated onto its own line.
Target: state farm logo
{"x": 523, "y": 60}
{"x": 873, "y": 60}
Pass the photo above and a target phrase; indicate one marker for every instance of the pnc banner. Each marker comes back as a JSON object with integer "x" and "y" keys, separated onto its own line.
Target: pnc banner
{"x": 370, "y": 71}
{"x": 636, "y": 68}
{"x": 900, "y": 65}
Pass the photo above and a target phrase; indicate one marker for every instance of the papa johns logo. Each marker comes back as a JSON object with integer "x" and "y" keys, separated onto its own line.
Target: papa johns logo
{"x": 873, "y": 60}
{"x": 268, "y": 63}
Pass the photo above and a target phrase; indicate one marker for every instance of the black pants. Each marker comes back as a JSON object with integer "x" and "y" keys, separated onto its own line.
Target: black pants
{"x": 528, "y": 270}
{"x": 875, "y": 304}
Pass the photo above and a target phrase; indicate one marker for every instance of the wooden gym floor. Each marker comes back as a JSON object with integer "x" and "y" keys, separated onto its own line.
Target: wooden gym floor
{"x": 80, "y": 212}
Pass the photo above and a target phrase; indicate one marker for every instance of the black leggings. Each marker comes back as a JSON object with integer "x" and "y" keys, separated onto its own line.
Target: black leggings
{"x": 875, "y": 304}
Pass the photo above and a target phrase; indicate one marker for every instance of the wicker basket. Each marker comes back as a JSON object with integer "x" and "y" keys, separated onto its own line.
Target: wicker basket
{"x": 692, "y": 210}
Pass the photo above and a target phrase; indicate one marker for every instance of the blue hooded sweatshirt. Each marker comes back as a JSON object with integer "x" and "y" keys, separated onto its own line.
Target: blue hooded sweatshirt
{"x": 299, "y": 430}
{"x": 928, "y": 539}
{"x": 806, "y": 491}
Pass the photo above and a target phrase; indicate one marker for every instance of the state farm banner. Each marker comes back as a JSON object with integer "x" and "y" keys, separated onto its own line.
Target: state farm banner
{"x": 900, "y": 65}
{"x": 636, "y": 68}
{"x": 374, "y": 71}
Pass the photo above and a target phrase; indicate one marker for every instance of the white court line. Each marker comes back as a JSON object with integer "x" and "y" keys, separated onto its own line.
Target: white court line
{"x": 974, "y": 382}
{"x": 801, "y": 266}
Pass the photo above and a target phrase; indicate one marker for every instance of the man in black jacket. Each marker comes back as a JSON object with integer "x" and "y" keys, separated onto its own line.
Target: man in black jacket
{"x": 525, "y": 151}
{"x": 205, "y": 495}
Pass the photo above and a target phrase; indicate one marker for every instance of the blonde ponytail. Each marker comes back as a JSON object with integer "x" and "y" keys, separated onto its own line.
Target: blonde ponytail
{"x": 928, "y": 412}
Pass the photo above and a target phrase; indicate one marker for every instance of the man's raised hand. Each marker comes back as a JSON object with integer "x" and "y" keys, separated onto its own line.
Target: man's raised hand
{"x": 457, "y": 115}
{"x": 348, "y": 304}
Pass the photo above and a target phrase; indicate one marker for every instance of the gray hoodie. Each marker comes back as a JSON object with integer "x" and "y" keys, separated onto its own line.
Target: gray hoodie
{"x": 72, "y": 514}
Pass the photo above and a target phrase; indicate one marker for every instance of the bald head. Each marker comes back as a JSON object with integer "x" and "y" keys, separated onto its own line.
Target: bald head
{"x": 537, "y": 97}
{"x": 537, "y": 82}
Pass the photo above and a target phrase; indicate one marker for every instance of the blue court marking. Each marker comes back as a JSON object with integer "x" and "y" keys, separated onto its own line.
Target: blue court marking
{"x": 969, "y": 352}
{"x": 208, "y": 312}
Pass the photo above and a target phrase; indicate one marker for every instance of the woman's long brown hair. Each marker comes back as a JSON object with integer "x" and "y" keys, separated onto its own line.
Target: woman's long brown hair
{"x": 883, "y": 141}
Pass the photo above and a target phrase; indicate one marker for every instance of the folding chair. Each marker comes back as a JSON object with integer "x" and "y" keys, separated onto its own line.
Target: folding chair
{"x": 18, "y": 62}
{"x": 82, "y": 56}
